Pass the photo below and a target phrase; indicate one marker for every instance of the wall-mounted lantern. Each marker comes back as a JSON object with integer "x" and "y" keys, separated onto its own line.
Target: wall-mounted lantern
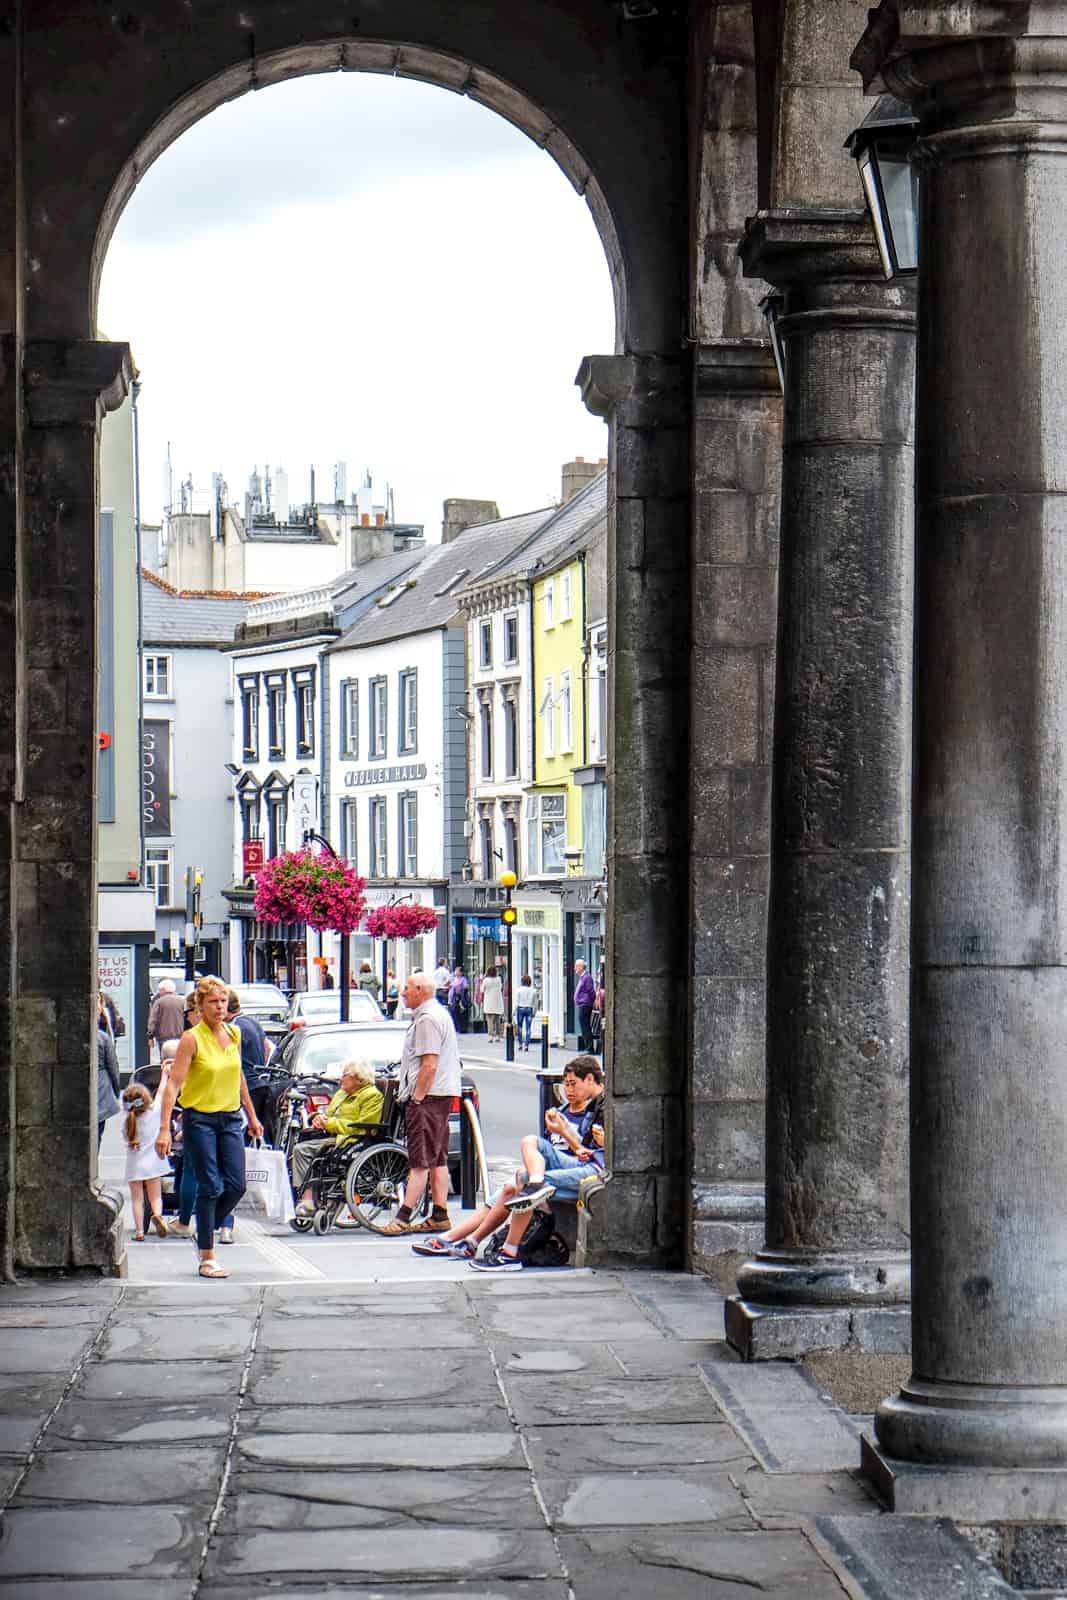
{"x": 881, "y": 147}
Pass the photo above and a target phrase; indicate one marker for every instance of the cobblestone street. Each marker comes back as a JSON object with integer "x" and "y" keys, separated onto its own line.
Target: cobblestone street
{"x": 539, "y": 1437}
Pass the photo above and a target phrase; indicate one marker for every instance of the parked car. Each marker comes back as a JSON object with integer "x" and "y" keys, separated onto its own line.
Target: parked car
{"x": 174, "y": 970}
{"x": 266, "y": 1004}
{"x": 324, "y": 1005}
{"x": 320, "y": 1050}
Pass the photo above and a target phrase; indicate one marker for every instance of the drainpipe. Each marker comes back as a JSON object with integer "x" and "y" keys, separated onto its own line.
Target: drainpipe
{"x": 135, "y": 390}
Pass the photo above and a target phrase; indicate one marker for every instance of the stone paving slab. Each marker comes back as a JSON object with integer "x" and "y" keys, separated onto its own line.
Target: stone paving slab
{"x": 155, "y": 1421}
{"x": 194, "y": 1298}
{"x": 143, "y": 1337}
{"x": 359, "y": 1589}
{"x": 385, "y": 1418}
{"x": 63, "y": 1314}
{"x": 388, "y": 1554}
{"x": 171, "y": 1379}
{"x": 350, "y": 1301}
{"x": 102, "y": 1589}
{"x": 624, "y": 1447}
{"x": 553, "y": 1359}
{"x": 909, "y": 1558}
{"x": 112, "y": 1477}
{"x": 313, "y": 1451}
{"x": 787, "y": 1422}
{"x": 780, "y": 1500}
{"x": 600, "y": 1400}
{"x": 655, "y": 1497}
{"x": 684, "y": 1313}
{"x": 377, "y": 1499}
{"x": 25, "y": 1404}
{"x": 691, "y": 1564}
{"x": 455, "y": 1378}
{"x": 597, "y": 1317}
{"x": 160, "y": 1541}
{"x": 45, "y": 1350}
{"x": 441, "y": 1331}
{"x": 662, "y": 1358}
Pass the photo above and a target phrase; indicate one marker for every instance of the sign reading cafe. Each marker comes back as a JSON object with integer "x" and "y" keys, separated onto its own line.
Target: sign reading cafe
{"x": 155, "y": 779}
{"x": 372, "y": 777}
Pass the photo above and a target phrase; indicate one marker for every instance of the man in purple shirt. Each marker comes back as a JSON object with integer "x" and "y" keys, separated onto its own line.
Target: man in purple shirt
{"x": 584, "y": 1001}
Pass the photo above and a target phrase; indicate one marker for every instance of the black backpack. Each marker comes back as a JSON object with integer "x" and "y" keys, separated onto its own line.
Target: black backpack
{"x": 540, "y": 1245}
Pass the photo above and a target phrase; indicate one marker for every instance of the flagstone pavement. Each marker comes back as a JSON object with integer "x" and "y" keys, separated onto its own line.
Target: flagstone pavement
{"x": 541, "y": 1436}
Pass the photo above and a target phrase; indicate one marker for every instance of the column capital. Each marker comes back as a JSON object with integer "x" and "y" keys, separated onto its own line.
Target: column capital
{"x": 74, "y": 381}
{"x": 736, "y": 366}
{"x": 795, "y": 246}
{"x": 969, "y": 55}
{"x": 636, "y": 390}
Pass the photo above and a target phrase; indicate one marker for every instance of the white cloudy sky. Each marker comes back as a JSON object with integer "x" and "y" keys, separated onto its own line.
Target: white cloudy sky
{"x": 366, "y": 269}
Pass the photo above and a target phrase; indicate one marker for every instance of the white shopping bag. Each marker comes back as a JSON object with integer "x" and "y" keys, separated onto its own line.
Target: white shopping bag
{"x": 267, "y": 1187}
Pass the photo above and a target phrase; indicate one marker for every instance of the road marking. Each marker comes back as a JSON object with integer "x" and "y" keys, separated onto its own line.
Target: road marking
{"x": 281, "y": 1255}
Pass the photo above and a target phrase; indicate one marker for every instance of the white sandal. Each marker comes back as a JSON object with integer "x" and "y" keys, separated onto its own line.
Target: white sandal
{"x": 211, "y": 1269}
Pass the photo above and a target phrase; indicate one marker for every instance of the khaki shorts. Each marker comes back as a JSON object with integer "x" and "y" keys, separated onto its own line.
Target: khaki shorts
{"x": 426, "y": 1129}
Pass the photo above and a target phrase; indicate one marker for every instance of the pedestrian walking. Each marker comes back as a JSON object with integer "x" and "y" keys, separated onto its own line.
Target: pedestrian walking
{"x": 584, "y": 1000}
{"x": 370, "y": 981}
{"x": 430, "y": 1079}
{"x": 392, "y": 994}
{"x": 459, "y": 1000}
{"x": 525, "y": 1001}
{"x": 208, "y": 1083}
{"x": 145, "y": 1166}
{"x": 108, "y": 1081}
{"x": 493, "y": 1003}
{"x": 441, "y": 979}
{"x": 166, "y": 1019}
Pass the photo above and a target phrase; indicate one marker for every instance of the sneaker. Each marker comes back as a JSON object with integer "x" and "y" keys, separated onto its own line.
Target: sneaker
{"x": 225, "y": 1236}
{"x": 496, "y": 1261}
{"x": 181, "y": 1230}
{"x": 530, "y": 1195}
{"x": 455, "y": 1249}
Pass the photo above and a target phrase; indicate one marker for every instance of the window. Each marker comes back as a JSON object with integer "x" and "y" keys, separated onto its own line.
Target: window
{"x": 548, "y": 719}
{"x": 157, "y": 677}
{"x": 250, "y": 814}
{"x": 566, "y": 718}
{"x": 379, "y": 712}
{"x": 511, "y": 738}
{"x": 304, "y": 690}
{"x": 565, "y": 596}
{"x": 276, "y": 716}
{"x": 546, "y": 832}
{"x": 485, "y": 643}
{"x": 276, "y": 820}
{"x": 511, "y": 638}
{"x": 598, "y": 697}
{"x": 348, "y": 832}
{"x": 550, "y": 603}
{"x": 511, "y": 844}
{"x": 409, "y": 712}
{"x": 487, "y": 738}
{"x": 249, "y": 688}
{"x": 349, "y": 717}
{"x": 486, "y": 831}
{"x": 409, "y": 835}
{"x": 158, "y": 874}
{"x": 379, "y": 840}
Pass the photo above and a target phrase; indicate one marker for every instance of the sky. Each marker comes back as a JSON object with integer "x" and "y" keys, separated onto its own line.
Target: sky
{"x": 367, "y": 269}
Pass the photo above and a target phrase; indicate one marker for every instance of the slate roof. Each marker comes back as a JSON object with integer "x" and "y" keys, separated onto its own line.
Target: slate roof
{"x": 169, "y": 618}
{"x": 421, "y": 605}
{"x": 569, "y": 527}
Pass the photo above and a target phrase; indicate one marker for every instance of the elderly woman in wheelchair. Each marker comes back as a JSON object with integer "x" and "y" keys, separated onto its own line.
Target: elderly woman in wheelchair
{"x": 355, "y": 1109}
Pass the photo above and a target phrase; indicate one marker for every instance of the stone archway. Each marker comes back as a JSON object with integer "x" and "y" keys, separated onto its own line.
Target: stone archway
{"x": 92, "y": 100}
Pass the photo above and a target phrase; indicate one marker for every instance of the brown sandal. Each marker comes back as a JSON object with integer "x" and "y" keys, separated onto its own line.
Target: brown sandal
{"x": 159, "y": 1225}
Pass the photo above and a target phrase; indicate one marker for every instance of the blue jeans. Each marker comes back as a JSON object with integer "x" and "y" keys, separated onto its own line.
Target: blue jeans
{"x": 523, "y": 1020}
{"x": 564, "y": 1171}
{"x": 215, "y": 1149}
{"x": 187, "y": 1197}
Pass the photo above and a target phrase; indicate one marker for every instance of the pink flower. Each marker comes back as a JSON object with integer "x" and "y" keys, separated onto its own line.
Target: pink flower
{"x": 321, "y": 891}
{"x": 401, "y": 922}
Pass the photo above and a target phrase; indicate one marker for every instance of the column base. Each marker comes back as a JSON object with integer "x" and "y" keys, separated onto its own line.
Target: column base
{"x": 982, "y": 1426}
{"x": 966, "y": 1494}
{"x": 788, "y": 1333}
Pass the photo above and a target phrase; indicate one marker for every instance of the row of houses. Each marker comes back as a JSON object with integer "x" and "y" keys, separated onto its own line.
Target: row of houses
{"x": 437, "y": 713}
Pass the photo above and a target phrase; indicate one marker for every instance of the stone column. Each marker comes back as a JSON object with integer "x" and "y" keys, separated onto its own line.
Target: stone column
{"x": 837, "y": 954}
{"x": 61, "y": 1220}
{"x": 737, "y": 456}
{"x": 646, "y": 399}
{"x": 989, "y": 1015}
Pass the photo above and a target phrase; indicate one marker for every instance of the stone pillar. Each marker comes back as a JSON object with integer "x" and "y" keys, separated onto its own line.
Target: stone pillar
{"x": 989, "y": 1015}
{"x": 737, "y": 458}
{"x": 61, "y": 1220}
{"x": 837, "y": 954}
{"x": 646, "y": 400}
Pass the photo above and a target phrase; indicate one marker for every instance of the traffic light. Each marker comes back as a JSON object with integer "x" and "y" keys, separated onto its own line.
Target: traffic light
{"x": 509, "y": 916}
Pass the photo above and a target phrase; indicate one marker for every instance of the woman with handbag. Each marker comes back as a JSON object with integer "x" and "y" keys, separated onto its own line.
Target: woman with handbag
{"x": 210, "y": 1087}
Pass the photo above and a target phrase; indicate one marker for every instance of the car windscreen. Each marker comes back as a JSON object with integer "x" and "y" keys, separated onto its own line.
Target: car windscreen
{"x": 326, "y": 1006}
{"x": 323, "y": 1055}
{"x": 263, "y": 997}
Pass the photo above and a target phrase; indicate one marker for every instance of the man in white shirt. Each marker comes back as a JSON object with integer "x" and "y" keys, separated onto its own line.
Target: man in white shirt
{"x": 441, "y": 979}
{"x": 430, "y": 1079}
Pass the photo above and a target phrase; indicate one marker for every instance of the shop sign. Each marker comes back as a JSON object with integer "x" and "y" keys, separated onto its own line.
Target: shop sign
{"x": 485, "y": 928}
{"x": 115, "y": 977}
{"x": 304, "y": 796}
{"x": 538, "y": 919}
{"x": 374, "y": 777}
{"x": 253, "y": 854}
{"x": 155, "y": 779}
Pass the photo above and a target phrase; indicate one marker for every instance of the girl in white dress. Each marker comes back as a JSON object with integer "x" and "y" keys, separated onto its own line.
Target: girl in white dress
{"x": 144, "y": 1167}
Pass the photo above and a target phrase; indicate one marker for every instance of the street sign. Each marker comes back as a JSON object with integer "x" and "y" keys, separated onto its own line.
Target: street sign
{"x": 253, "y": 856}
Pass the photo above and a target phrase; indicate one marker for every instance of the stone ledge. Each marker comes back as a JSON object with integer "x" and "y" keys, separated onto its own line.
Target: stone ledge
{"x": 784, "y": 1333}
{"x": 966, "y": 1494}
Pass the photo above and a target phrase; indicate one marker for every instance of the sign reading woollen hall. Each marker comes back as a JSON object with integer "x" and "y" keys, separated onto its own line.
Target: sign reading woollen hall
{"x": 372, "y": 777}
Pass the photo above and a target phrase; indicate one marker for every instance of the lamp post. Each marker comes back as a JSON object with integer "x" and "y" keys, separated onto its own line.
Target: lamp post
{"x": 881, "y": 147}
{"x": 311, "y": 837}
{"x": 509, "y": 915}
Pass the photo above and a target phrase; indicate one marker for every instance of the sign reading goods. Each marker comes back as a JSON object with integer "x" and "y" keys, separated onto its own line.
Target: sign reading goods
{"x": 155, "y": 779}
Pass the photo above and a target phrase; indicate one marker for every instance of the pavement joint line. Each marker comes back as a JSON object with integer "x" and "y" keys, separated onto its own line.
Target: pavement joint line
{"x": 277, "y": 1252}
{"x": 79, "y": 1366}
{"x": 513, "y": 1421}
{"x": 231, "y": 1445}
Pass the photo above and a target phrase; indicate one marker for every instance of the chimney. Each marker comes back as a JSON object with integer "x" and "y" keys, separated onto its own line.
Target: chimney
{"x": 576, "y": 474}
{"x": 462, "y": 514}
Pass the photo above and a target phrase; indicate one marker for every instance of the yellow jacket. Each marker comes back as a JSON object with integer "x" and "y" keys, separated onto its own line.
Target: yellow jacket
{"x": 348, "y": 1114}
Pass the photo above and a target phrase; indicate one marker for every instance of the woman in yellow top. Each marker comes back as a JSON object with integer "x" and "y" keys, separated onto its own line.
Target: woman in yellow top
{"x": 207, "y": 1081}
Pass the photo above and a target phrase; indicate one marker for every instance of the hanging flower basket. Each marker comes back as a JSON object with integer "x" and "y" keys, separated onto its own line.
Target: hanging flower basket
{"x": 302, "y": 886}
{"x": 401, "y": 922}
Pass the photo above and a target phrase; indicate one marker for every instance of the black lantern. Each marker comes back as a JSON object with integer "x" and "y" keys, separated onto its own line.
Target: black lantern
{"x": 881, "y": 146}
{"x": 771, "y": 305}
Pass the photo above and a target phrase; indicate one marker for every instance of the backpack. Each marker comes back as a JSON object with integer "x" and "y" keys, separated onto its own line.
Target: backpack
{"x": 540, "y": 1245}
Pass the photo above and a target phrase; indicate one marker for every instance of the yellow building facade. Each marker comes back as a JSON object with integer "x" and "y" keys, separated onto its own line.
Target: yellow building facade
{"x": 559, "y": 718}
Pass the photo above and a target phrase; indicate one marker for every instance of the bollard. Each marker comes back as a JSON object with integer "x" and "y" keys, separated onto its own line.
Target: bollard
{"x": 468, "y": 1180}
{"x": 544, "y": 1041}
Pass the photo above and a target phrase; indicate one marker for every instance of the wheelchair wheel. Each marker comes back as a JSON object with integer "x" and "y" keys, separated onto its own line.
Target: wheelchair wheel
{"x": 374, "y": 1184}
{"x": 322, "y": 1221}
{"x": 300, "y": 1224}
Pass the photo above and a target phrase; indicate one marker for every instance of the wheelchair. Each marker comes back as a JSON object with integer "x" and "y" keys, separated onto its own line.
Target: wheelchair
{"x": 366, "y": 1178}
